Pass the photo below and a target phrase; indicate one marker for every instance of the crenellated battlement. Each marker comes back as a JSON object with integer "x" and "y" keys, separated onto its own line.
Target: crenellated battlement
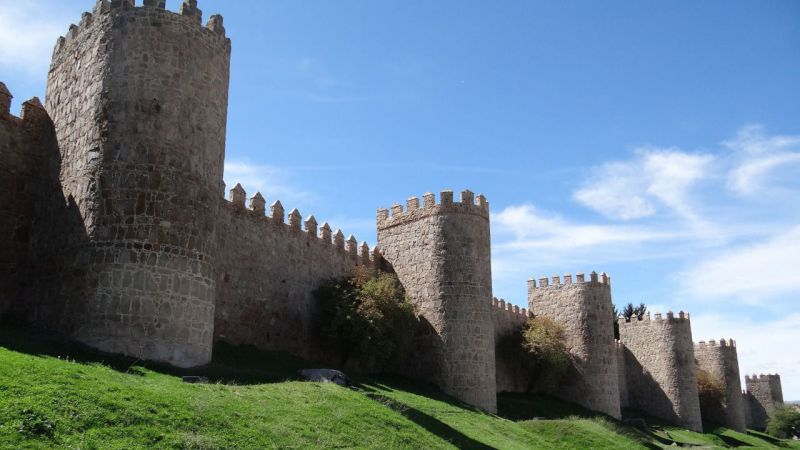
{"x": 413, "y": 211}
{"x": 580, "y": 278}
{"x": 512, "y": 310}
{"x": 670, "y": 317}
{"x": 713, "y": 343}
{"x": 31, "y": 109}
{"x": 762, "y": 377}
{"x": 153, "y": 10}
{"x": 296, "y": 226}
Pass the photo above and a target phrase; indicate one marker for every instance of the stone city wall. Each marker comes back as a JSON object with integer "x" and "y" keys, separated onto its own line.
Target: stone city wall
{"x": 510, "y": 374}
{"x": 268, "y": 270}
{"x": 584, "y": 308}
{"x": 660, "y": 368}
{"x": 764, "y": 394}
{"x": 721, "y": 362}
{"x": 24, "y": 145}
{"x": 620, "y": 351}
{"x": 441, "y": 254}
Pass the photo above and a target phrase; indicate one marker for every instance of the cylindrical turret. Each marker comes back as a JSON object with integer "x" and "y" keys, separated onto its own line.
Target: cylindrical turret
{"x": 139, "y": 99}
{"x": 764, "y": 394}
{"x": 721, "y": 362}
{"x": 661, "y": 369}
{"x": 441, "y": 254}
{"x": 584, "y": 308}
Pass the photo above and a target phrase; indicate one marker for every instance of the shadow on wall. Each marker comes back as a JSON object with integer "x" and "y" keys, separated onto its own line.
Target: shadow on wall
{"x": 52, "y": 281}
{"x": 645, "y": 393}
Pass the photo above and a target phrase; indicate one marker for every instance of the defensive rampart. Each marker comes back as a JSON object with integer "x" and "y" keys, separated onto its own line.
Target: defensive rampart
{"x": 721, "y": 363}
{"x": 660, "y": 368}
{"x": 511, "y": 374}
{"x": 139, "y": 96}
{"x": 268, "y": 270}
{"x": 764, "y": 394}
{"x": 584, "y": 308}
{"x": 441, "y": 254}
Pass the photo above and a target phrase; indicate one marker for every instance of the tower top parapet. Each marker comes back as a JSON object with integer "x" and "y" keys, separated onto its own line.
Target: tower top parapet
{"x": 469, "y": 204}
{"x": 153, "y": 10}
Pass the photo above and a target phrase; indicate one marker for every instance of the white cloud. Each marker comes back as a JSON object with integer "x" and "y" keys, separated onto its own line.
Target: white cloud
{"x": 526, "y": 239}
{"x": 763, "y": 346}
{"x": 761, "y": 158}
{"x": 28, "y": 33}
{"x": 534, "y": 229}
{"x": 632, "y": 189}
{"x": 272, "y": 182}
{"x": 752, "y": 274}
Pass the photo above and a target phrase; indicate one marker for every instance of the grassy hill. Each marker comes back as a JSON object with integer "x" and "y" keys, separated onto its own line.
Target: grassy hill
{"x": 59, "y": 395}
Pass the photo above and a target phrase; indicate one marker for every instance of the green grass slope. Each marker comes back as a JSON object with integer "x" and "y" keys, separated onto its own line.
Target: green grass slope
{"x": 59, "y": 395}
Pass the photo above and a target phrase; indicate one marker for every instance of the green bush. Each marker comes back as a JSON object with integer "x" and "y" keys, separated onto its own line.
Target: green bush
{"x": 711, "y": 390}
{"x": 368, "y": 319}
{"x": 546, "y": 342}
{"x": 539, "y": 347}
{"x": 784, "y": 423}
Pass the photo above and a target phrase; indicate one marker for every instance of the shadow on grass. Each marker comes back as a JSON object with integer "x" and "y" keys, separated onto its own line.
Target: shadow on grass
{"x": 526, "y": 406}
{"x": 230, "y": 364}
{"x": 430, "y": 423}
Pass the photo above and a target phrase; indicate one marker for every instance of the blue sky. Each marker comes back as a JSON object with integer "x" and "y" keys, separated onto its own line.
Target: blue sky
{"x": 658, "y": 142}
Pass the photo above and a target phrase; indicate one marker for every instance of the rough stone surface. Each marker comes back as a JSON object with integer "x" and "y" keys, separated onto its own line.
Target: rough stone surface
{"x": 441, "y": 254}
{"x": 624, "y": 401}
{"x": 26, "y": 146}
{"x": 660, "y": 368}
{"x": 584, "y": 308}
{"x": 510, "y": 375}
{"x": 722, "y": 362}
{"x": 267, "y": 272}
{"x": 139, "y": 101}
{"x": 113, "y": 230}
{"x": 764, "y": 394}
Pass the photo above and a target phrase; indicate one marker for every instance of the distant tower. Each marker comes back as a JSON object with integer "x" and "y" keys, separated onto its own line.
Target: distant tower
{"x": 660, "y": 368}
{"x": 139, "y": 99}
{"x": 584, "y": 308}
{"x": 441, "y": 255}
{"x": 764, "y": 394}
{"x": 722, "y": 362}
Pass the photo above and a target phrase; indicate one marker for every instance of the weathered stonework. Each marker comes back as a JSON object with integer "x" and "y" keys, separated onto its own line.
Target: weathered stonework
{"x": 622, "y": 380}
{"x": 722, "y": 362}
{"x": 268, "y": 270}
{"x": 660, "y": 368}
{"x": 510, "y": 375}
{"x": 584, "y": 308}
{"x": 441, "y": 254}
{"x": 764, "y": 394}
{"x": 26, "y": 145}
{"x": 113, "y": 230}
{"x": 139, "y": 101}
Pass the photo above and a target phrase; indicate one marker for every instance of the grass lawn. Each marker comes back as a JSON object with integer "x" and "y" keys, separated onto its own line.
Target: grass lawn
{"x": 60, "y": 395}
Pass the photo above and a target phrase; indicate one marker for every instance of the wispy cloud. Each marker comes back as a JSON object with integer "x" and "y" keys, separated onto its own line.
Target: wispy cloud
{"x": 28, "y": 33}
{"x": 674, "y": 205}
{"x": 750, "y": 273}
{"x": 761, "y": 345}
{"x": 656, "y": 177}
{"x": 760, "y": 159}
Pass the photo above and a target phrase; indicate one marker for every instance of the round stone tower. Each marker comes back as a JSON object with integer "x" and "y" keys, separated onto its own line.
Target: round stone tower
{"x": 584, "y": 308}
{"x": 139, "y": 99}
{"x": 722, "y": 362}
{"x": 441, "y": 254}
{"x": 660, "y": 368}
